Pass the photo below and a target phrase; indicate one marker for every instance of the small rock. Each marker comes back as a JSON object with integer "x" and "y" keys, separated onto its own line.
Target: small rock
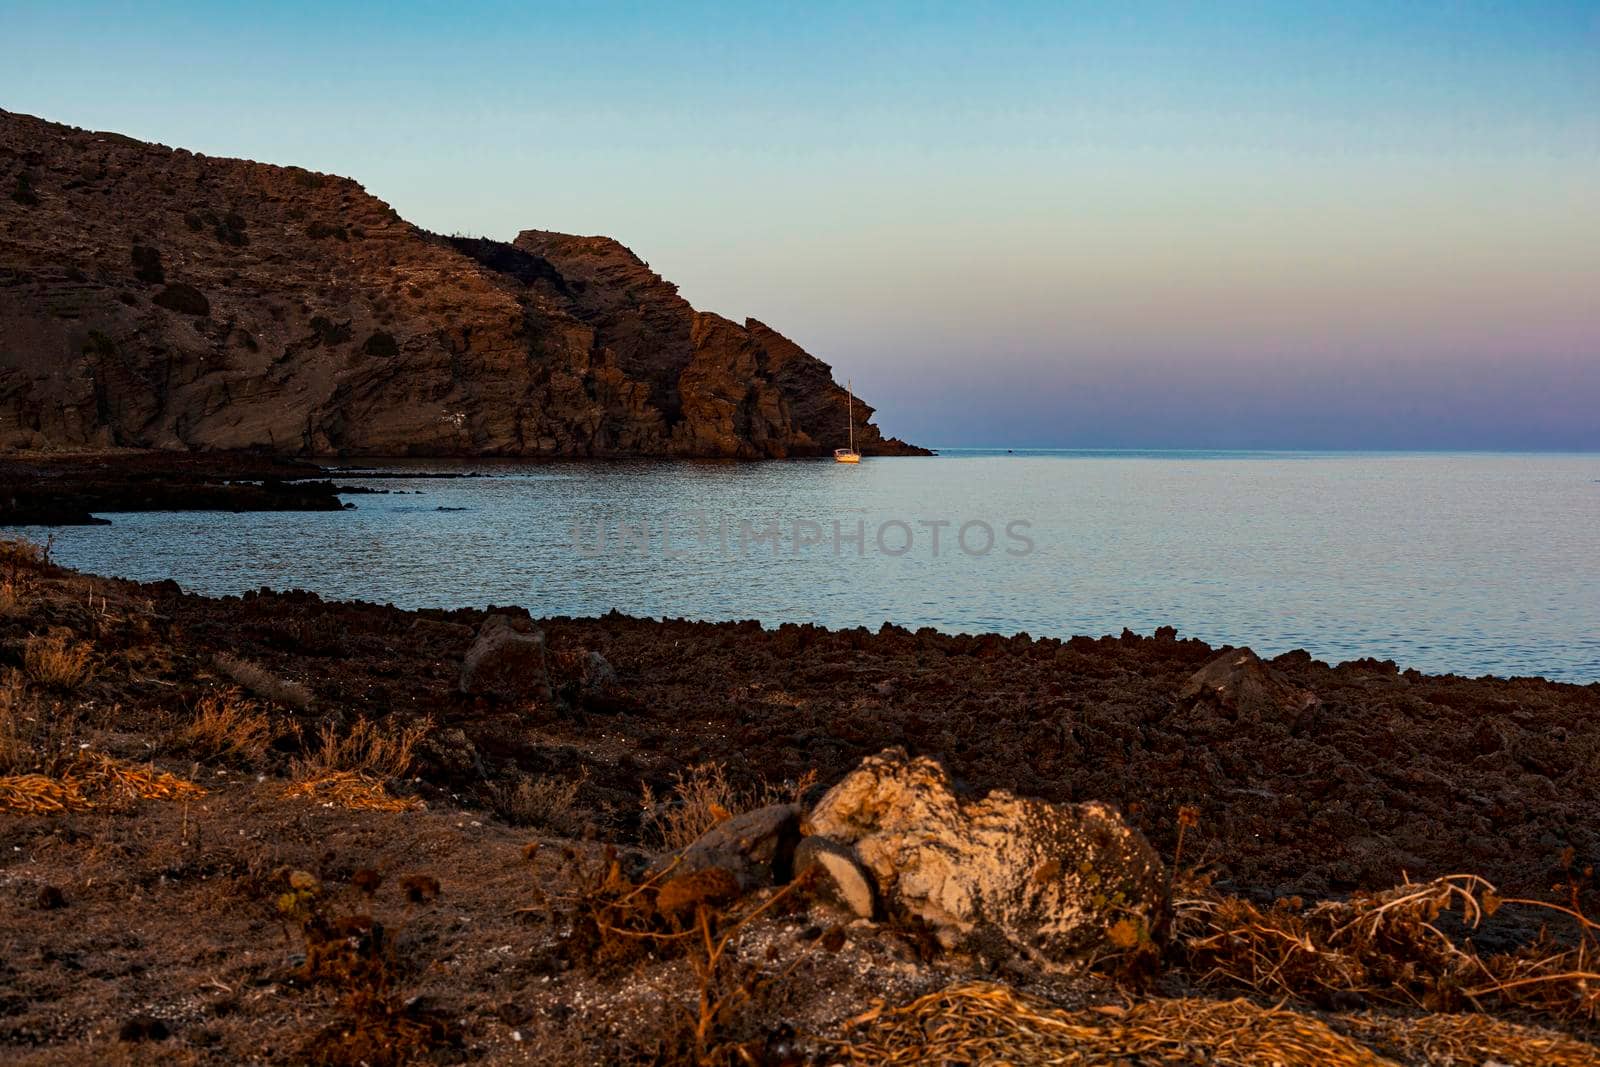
{"x": 1046, "y": 881}
{"x": 756, "y": 847}
{"x": 597, "y": 674}
{"x": 506, "y": 661}
{"x": 144, "y": 1028}
{"x": 1239, "y": 682}
{"x": 840, "y": 877}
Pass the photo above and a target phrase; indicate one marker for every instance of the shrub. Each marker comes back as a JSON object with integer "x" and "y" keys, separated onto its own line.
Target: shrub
{"x": 381, "y": 344}
{"x": 98, "y": 344}
{"x": 17, "y": 727}
{"x": 18, "y": 555}
{"x": 366, "y": 750}
{"x": 329, "y": 332}
{"x": 57, "y": 660}
{"x": 547, "y": 803}
{"x": 320, "y": 230}
{"x": 147, "y": 264}
{"x": 225, "y": 725}
{"x": 23, "y": 192}
{"x": 229, "y": 229}
{"x": 185, "y": 299}
{"x": 263, "y": 683}
{"x": 702, "y": 797}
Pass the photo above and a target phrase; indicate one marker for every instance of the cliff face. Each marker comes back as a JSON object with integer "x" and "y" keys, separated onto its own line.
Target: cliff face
{"x": 152, "y": 297}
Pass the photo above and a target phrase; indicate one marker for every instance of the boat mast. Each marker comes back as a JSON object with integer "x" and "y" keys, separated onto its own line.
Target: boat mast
{"x": 850, "y": 389}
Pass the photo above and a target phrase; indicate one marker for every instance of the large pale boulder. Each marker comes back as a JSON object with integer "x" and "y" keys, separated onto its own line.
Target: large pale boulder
{"x": 506, "y": 661}
{"x": 1051, "y": 880}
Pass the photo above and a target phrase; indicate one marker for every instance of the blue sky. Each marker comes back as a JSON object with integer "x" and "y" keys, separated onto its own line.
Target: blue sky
{"x": 1139, "y": 224}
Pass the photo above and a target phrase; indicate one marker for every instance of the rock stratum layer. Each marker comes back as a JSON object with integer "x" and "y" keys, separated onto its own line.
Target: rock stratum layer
{"x": 157, "y": 298}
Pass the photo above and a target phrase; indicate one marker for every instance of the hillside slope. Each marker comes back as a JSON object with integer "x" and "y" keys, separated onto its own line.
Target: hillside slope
{"x": 157, "y": 298}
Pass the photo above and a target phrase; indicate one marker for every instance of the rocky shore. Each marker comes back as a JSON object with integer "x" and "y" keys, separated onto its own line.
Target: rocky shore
{"x": 77, "y": 489}
{"x": 280, "y": 829}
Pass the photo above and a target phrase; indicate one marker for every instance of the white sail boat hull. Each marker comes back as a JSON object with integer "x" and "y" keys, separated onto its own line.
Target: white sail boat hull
{"x": 849, "y": 455}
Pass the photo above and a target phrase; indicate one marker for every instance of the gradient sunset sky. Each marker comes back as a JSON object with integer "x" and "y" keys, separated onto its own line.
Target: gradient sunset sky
{"x": 1361, "y": 225}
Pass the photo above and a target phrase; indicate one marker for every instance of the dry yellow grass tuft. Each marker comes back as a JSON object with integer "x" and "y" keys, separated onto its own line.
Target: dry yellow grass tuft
{"x": 547, "y": 803}
{"x": 39, "y": 794}
{"x": 10, "y": 598}
{"x": 702, "y": 797}
{"x": 261, "y": 682}
{"x": 58, "y": 660}
{"x": 226, "y": 725}
{"x": 347, "y": 789}
{"x": 91, "y": 780}
{"x": 367, "y": 750}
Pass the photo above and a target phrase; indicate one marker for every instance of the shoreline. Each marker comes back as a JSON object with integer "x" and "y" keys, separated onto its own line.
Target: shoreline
{"x": 1294, "y": 781}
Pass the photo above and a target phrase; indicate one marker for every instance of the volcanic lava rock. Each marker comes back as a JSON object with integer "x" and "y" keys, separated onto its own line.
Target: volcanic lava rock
{"x": 506, "y": 661}
{"x": 155, "y": 298}
{"x": 755, "y": 847}
{"x": 596, "y": 673}
{"x": 1049, "y": 880}
{"x": 1240, "y": 684}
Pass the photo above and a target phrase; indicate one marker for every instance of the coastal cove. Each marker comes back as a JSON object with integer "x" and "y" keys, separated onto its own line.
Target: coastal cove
{"x": 1469, "y": 563}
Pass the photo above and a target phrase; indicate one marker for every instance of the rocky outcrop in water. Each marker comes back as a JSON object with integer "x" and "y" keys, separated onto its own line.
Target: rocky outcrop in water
{"x": 157, "y": 298}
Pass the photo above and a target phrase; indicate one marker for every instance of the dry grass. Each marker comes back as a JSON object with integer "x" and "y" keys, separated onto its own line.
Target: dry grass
{"x": 550, "y": 804}
{"x": 702, "y": 797}
{"x": 261, "y": 682}
{"x": 18, "y": 554}
{"x": 616, "y": 922}
{"x": 983, "y": 1023}
{"x": 91, "y": 780}
{"x": 347, "y": 789}
{"x": 1451, "y": 1040}
{"x": 225, "y": 726}
{"x": 10, "y": 598}
{"x": 367, "y": 749}
{"x": 1385, "y": 947}
{"x": 33, "y": 734}
{"x": 58, "y": 660}
{"x": 353, "y": 770}
{"x": 18, "y": 724}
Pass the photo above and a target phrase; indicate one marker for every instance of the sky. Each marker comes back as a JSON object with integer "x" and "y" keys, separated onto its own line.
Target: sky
{"x": 1144, "y": 225}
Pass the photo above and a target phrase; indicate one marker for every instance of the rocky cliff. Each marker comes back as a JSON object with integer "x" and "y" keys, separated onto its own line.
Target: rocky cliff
{"x": 158, "y": 298}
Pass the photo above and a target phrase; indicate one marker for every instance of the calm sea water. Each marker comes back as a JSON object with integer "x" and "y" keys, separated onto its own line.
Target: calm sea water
{"x": 1473, "y": 563}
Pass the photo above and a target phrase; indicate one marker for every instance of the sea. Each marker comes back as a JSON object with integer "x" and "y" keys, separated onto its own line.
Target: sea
{"x": 1469, "y": 563}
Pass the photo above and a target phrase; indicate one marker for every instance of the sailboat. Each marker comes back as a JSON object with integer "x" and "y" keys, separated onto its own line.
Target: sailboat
{"x": 849, "y": 455}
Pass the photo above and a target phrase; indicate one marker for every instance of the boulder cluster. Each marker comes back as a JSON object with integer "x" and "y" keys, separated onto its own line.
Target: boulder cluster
{"x": 999, "y": 875}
